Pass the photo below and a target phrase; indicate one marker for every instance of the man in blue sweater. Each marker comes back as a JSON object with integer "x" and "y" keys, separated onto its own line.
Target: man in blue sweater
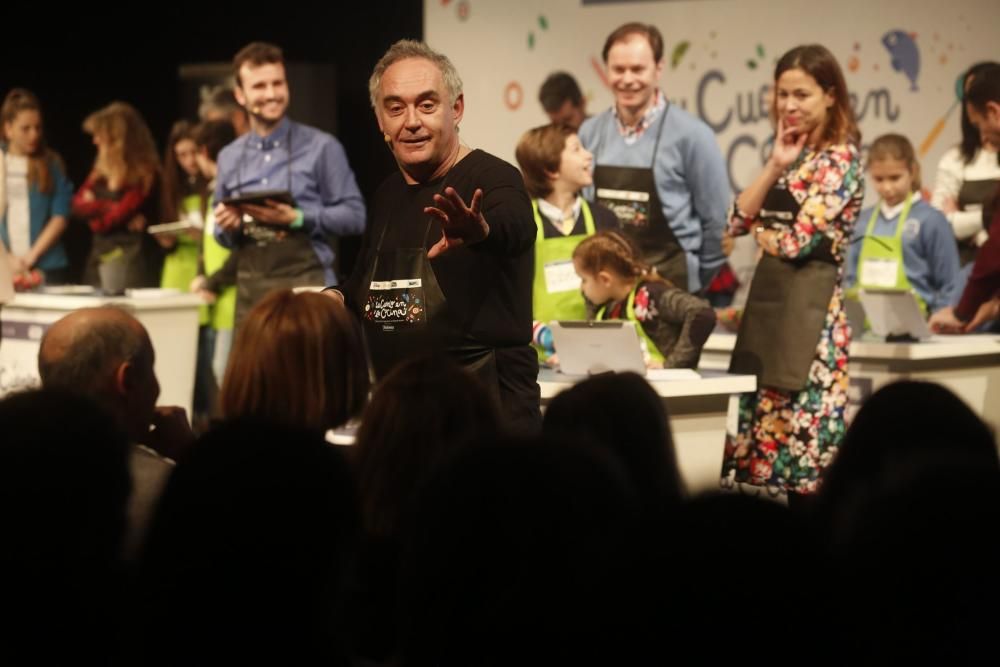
{"x": 657, "y": 167}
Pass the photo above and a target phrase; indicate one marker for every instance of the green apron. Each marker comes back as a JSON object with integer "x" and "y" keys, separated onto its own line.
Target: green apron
{"x": 180, "y": 266}
{"x": 214, "y": 255}
{"x": 556, "y": 294}
{"x": 654, "y": 352}
{"x": 880, "y": 263}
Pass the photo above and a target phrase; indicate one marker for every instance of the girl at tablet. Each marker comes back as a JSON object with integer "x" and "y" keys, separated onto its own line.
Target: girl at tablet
{"x": 903, "y": 242}
{"x": 673, "y": 325}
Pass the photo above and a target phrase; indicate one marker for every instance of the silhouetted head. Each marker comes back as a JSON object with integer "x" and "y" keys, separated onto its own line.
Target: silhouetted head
{"x": 248, "y": 547}
{"x": 517, "y": 549}
{"x": 106, "y": 355}
{"x": 422, "y": 413}
{"x": 902, "y": 431}
{"x": 297, "y": 359}
{"x": 624, "y": 414}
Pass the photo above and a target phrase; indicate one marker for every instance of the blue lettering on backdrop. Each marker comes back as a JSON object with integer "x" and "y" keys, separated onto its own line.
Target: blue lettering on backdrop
{"x": 712, "y": 75}
{"x": 881, "y": 101}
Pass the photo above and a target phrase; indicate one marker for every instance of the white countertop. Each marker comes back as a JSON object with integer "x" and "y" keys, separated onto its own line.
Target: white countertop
{"x": 936, "y": 347}
{"x": 710, "y": 383}
{"x": 153, "y": 300}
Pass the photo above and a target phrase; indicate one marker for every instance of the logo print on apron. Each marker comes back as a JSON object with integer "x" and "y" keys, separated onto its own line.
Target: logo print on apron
{"x": 393, "y": 303}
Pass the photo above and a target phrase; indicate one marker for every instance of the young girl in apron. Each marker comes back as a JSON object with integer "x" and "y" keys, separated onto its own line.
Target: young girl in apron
{"x": 673, "y": 324}
{"x": 184, "y": 197}
{"x": 794, "y": 334}
{"x": 556, "y": 167}
{"x": 903, "y": 243}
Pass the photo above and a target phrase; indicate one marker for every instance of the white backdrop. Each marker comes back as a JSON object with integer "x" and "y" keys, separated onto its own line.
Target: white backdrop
{"x": 720, "y": 57}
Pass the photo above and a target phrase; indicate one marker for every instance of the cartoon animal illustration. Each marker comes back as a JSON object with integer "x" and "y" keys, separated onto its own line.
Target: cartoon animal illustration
{"x": 905, "y": 55}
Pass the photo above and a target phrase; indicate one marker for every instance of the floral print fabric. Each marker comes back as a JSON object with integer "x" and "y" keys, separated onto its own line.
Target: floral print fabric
{"x": 784, "y": 440}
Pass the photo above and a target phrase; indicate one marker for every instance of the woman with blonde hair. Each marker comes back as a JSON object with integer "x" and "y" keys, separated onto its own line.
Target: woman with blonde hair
{"x": 119, "y": 200}
{"x": 297, "y": 360}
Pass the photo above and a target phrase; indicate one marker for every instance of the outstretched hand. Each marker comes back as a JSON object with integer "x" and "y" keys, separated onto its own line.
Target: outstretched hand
{"x": 460, "y": 224}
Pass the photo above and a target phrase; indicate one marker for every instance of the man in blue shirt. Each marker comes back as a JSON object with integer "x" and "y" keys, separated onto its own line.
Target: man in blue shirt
{"x": 657, "y": 167}
{"x": 281, "y": 241}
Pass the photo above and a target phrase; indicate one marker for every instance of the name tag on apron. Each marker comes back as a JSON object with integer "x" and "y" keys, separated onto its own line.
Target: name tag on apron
{"x": 561, "y": 277}
{"x": 631, "y": 207}
{"x": 879, "y": 272}
{"x": 396, "y": 304}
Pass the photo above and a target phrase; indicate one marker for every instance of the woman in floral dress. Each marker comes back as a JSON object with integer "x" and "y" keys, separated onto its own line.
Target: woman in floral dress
{"x": 794, "y": 334}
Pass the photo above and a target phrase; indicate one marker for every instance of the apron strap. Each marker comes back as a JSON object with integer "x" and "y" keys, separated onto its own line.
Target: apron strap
{"x": 651, "y": 349}
{"x": 539, "y": 225}
{"x": 588, "y": 217}
{"x": 904, "y": 215}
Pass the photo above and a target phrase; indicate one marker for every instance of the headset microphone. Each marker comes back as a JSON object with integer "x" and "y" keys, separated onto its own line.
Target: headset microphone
{"x": 255, "y": 110}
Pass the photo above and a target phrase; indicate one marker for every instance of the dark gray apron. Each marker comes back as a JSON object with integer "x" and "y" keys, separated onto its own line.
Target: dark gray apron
{"x": 139, "y": 253}
{"x": 404, "y": 312}
{"x": 272, "y": 257}
{"x": 976, "y": 193}
{"x": 630, "y": 192}
{"x": 786, "y": 309}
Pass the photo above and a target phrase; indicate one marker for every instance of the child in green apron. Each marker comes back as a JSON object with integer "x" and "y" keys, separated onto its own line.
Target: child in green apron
{"x": 184, "y": 197}
{"x": 216, "y": 333}
{"x": 673, "y": 324}
{"x": 556, "y": 167}
{"x": 903, "y": 243}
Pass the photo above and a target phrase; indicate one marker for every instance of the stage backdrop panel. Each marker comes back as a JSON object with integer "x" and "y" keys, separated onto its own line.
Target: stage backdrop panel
{"x": 901, "y": 59}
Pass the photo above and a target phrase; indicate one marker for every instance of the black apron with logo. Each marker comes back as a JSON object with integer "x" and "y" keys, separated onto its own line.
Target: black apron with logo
{"x": 786, "y": 308}
{"x": 630, "y": 192}
{"x": 404, "y": 312}
{"x": 976, "y": 193}
{"x": 272, "y": 257}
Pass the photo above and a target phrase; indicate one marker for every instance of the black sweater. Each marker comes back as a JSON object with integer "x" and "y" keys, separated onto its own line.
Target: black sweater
{"x": 487, "y": 285}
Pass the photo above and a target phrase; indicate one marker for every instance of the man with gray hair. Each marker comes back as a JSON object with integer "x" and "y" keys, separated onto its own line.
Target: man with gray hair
{"x": 447, "y": 262}
{"x": 106, "y": 355}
